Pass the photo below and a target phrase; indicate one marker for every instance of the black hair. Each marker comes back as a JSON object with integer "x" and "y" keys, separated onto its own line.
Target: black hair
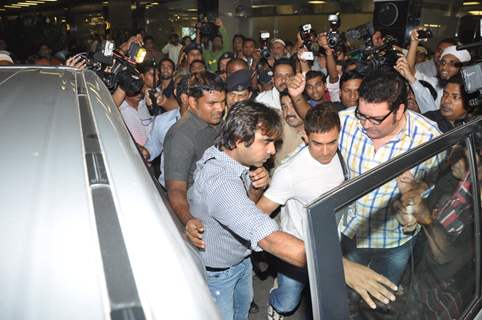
{"x": 145, "y": 38}
{"x": 242, "y": 122}
{"x": 322, "y": 118}
{"x": 238, "y": 35}
{"x": 168, "y": 60}
{"x": 350, "y": 75}
{"x": 197, "y": 61}
{"x": 384, "y": 86}
{"x": 283, "y": 61}
{"x": 314, "y": 74}
{"x": 248, "y": 40}
{"x": 458, "y": 80}
{"x": 147, "y": 66}
{"x": 182, "y": 87}
{"x": 204, "y": 81}
{"x": 451, "y": 41}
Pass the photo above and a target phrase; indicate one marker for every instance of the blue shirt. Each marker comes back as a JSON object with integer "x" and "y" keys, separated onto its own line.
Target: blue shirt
{"x": 155, "y": 141}
{"x": 219, "y": 198}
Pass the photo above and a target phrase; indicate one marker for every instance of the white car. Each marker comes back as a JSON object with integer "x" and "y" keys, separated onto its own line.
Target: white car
{"x": 85, "y": 233}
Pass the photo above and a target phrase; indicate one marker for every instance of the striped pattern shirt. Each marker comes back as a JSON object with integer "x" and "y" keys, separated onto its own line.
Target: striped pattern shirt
{"x": 219, "y": 198}
{"x": 371, "y": 218}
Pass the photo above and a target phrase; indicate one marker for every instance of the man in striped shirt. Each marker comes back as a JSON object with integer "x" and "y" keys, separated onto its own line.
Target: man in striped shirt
{"x": 376, "y": 131}
{"x": 223, "y": 197}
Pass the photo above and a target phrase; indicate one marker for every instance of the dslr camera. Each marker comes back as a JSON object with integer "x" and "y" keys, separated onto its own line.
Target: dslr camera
{"x": 207, "y": 28}
{"x": 334, "y": 37}
{"x": 305, "y": 33}
{"x": 383, "y": 57}
{"x": 264, "y": 40}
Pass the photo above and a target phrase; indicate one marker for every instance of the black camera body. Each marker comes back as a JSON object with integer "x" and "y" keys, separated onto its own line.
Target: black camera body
{"x": 334, "y": 37}
{"x": 208, "y": 29}
{"x": 383, "y": 57}
{"x": 115, "y": 69}
{"x": 264, "y": 40}
{"x": 425, "y": 34}
{"x": 305, "y": 33}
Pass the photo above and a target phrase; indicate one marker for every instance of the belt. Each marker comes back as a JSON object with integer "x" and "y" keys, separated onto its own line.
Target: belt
{"x": 213, "y": 269}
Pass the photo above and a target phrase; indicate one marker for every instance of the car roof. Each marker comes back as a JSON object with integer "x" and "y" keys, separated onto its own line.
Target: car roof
{"x": 55, "y": 264}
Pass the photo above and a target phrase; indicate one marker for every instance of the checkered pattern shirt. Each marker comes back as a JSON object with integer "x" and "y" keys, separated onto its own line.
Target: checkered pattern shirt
{"x": 371, "y": 218}
{"x": 219, "y": 198}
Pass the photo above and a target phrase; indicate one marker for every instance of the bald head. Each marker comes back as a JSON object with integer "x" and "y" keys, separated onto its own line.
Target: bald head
{"x": 236, "y": 65}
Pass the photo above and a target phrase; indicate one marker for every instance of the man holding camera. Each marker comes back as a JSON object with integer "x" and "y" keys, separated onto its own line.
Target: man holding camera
{"x": 173, "y": 48}
{"x": 219, "y": 45}
{"x": 282, "y": 71}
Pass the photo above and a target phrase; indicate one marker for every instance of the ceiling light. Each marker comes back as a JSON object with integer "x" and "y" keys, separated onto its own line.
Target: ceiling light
{"x": 316, "y": 2}
{"x": 192, "y": 10}
{"x": 476, "y": 13}
{"x": 262, "y": 6}
{"x": 23, "y": 4}
{"x": 471, "y": 3}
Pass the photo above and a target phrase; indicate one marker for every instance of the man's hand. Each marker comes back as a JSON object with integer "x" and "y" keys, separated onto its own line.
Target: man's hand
{"x": 323, "y": 42}
{"x": 124, "y": 48}
{"x": 368, "y": 283}
{"x": 296, "y": 85}
{"x": 76, "y": 62}
{"x": 403, "y": 68}
{"x": 259, "y": 178}
{"x": 414, "y": 34}
{"x": 145, "y": 153}
{"x": 194, "y": 232}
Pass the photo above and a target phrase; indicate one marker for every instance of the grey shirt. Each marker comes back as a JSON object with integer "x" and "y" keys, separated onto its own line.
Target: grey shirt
{"x": 184, "y": 144}
{"x": 219, "y": 198}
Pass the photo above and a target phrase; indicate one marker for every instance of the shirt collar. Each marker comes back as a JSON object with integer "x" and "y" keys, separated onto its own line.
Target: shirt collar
{"x": 198, "y": 122}
{"x": 237, "y": 168}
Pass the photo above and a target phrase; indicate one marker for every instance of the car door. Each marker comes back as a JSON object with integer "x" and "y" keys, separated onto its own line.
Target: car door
{"x": 441, "y": 279}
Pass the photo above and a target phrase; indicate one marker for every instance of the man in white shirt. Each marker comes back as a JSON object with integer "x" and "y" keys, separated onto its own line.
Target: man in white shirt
{"x": 282, "y": 71}
{"x": 303, "y": 177}
{"x": 173, "y": 48}
{"x": 136, "y": 117}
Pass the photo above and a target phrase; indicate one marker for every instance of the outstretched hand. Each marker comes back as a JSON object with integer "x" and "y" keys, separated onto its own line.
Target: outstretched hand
{"x": 368, "y": 283}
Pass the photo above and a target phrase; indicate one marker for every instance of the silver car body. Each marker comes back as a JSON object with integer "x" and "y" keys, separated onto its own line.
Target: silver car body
{"x": 52, "y": 265}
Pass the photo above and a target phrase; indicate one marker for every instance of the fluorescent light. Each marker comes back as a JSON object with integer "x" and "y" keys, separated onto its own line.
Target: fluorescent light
{"x": 471, "y": 3}
{"x": 192, "y": 10}
{"x": 262, "y": 6}
{"x": 13, "y": 6}
{"x": 476, "y": 13}
{"x": 316, "y": 2}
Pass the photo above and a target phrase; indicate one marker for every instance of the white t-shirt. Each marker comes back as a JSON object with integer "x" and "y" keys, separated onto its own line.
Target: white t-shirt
{"x": 297, "y": 182}
{"x": 172, "y": 51}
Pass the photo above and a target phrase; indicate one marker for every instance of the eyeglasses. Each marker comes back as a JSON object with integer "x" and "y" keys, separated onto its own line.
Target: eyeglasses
{"x": 373, "y": 120}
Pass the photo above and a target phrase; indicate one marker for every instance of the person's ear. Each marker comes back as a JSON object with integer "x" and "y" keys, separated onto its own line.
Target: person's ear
{"x": 192, "y": 103}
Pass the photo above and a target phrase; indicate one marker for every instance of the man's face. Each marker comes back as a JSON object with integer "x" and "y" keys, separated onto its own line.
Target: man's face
{"x": 323, "y": 145}
{"x": 278, "y": 50}
{"x": 281, "y": 75}
{"x": 149, "y": 44}
{"x": 238, "y": 44}
{"x": 349, "y": 92}
{"x": 447, "y": 67}
{"x": 379, "y": 110}
{"x": 209, "y": 107}
{"x": 438, "y": 51}
{"x": 167, "y": 70}
{"x": 289, "y": 113}
{"x": 194, "y": 55}
{"x": 222, "y": 68}
{"x": 248, "y": 48}
{"x": 148, "y": 78}
{"x": 452, "y": 106}
{"x": 197, "y": 67}
{"x": 315, "y": 88}
{"x": 233, "y": 97}
{"x": 262, "y": 148}
{"x": 218, "y": 43}
{"x": 377, "y": 39}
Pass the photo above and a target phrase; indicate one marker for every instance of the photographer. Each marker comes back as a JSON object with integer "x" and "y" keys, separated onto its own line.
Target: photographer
{"x": 219, "y": 45}
{"x": 449, "y": 65}
{"x": 173, "y": 48}
{"x": 189, "y": 54}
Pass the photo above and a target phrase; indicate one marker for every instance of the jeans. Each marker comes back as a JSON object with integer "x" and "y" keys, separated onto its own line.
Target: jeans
{"x": 389, "y": 262}
{"x": 291, "y": 282}
{"x": 232, "y": 290}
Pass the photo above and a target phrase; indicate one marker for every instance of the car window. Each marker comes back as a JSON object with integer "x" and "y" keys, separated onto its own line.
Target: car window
{"x": 418, "y": 231}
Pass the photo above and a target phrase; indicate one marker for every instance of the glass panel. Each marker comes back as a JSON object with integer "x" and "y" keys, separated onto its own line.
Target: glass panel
{"x": 418, "y": 231}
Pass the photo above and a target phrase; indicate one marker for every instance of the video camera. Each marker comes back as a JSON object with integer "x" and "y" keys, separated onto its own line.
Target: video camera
{"x": 207, "y": 28}
{"x": 334, "y": 37}
{"x": 383, "y": 57}
{"x": 264, "y": 41}
{"x": 114, "y": 68}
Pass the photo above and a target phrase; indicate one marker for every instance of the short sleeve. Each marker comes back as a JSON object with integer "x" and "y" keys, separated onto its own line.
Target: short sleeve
{"x": 280, "y": 188}
{"x": 178, "y": 156}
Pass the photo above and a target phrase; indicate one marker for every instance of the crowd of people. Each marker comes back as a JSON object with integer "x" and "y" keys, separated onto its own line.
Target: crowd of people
{"x": 236, "y": 135}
